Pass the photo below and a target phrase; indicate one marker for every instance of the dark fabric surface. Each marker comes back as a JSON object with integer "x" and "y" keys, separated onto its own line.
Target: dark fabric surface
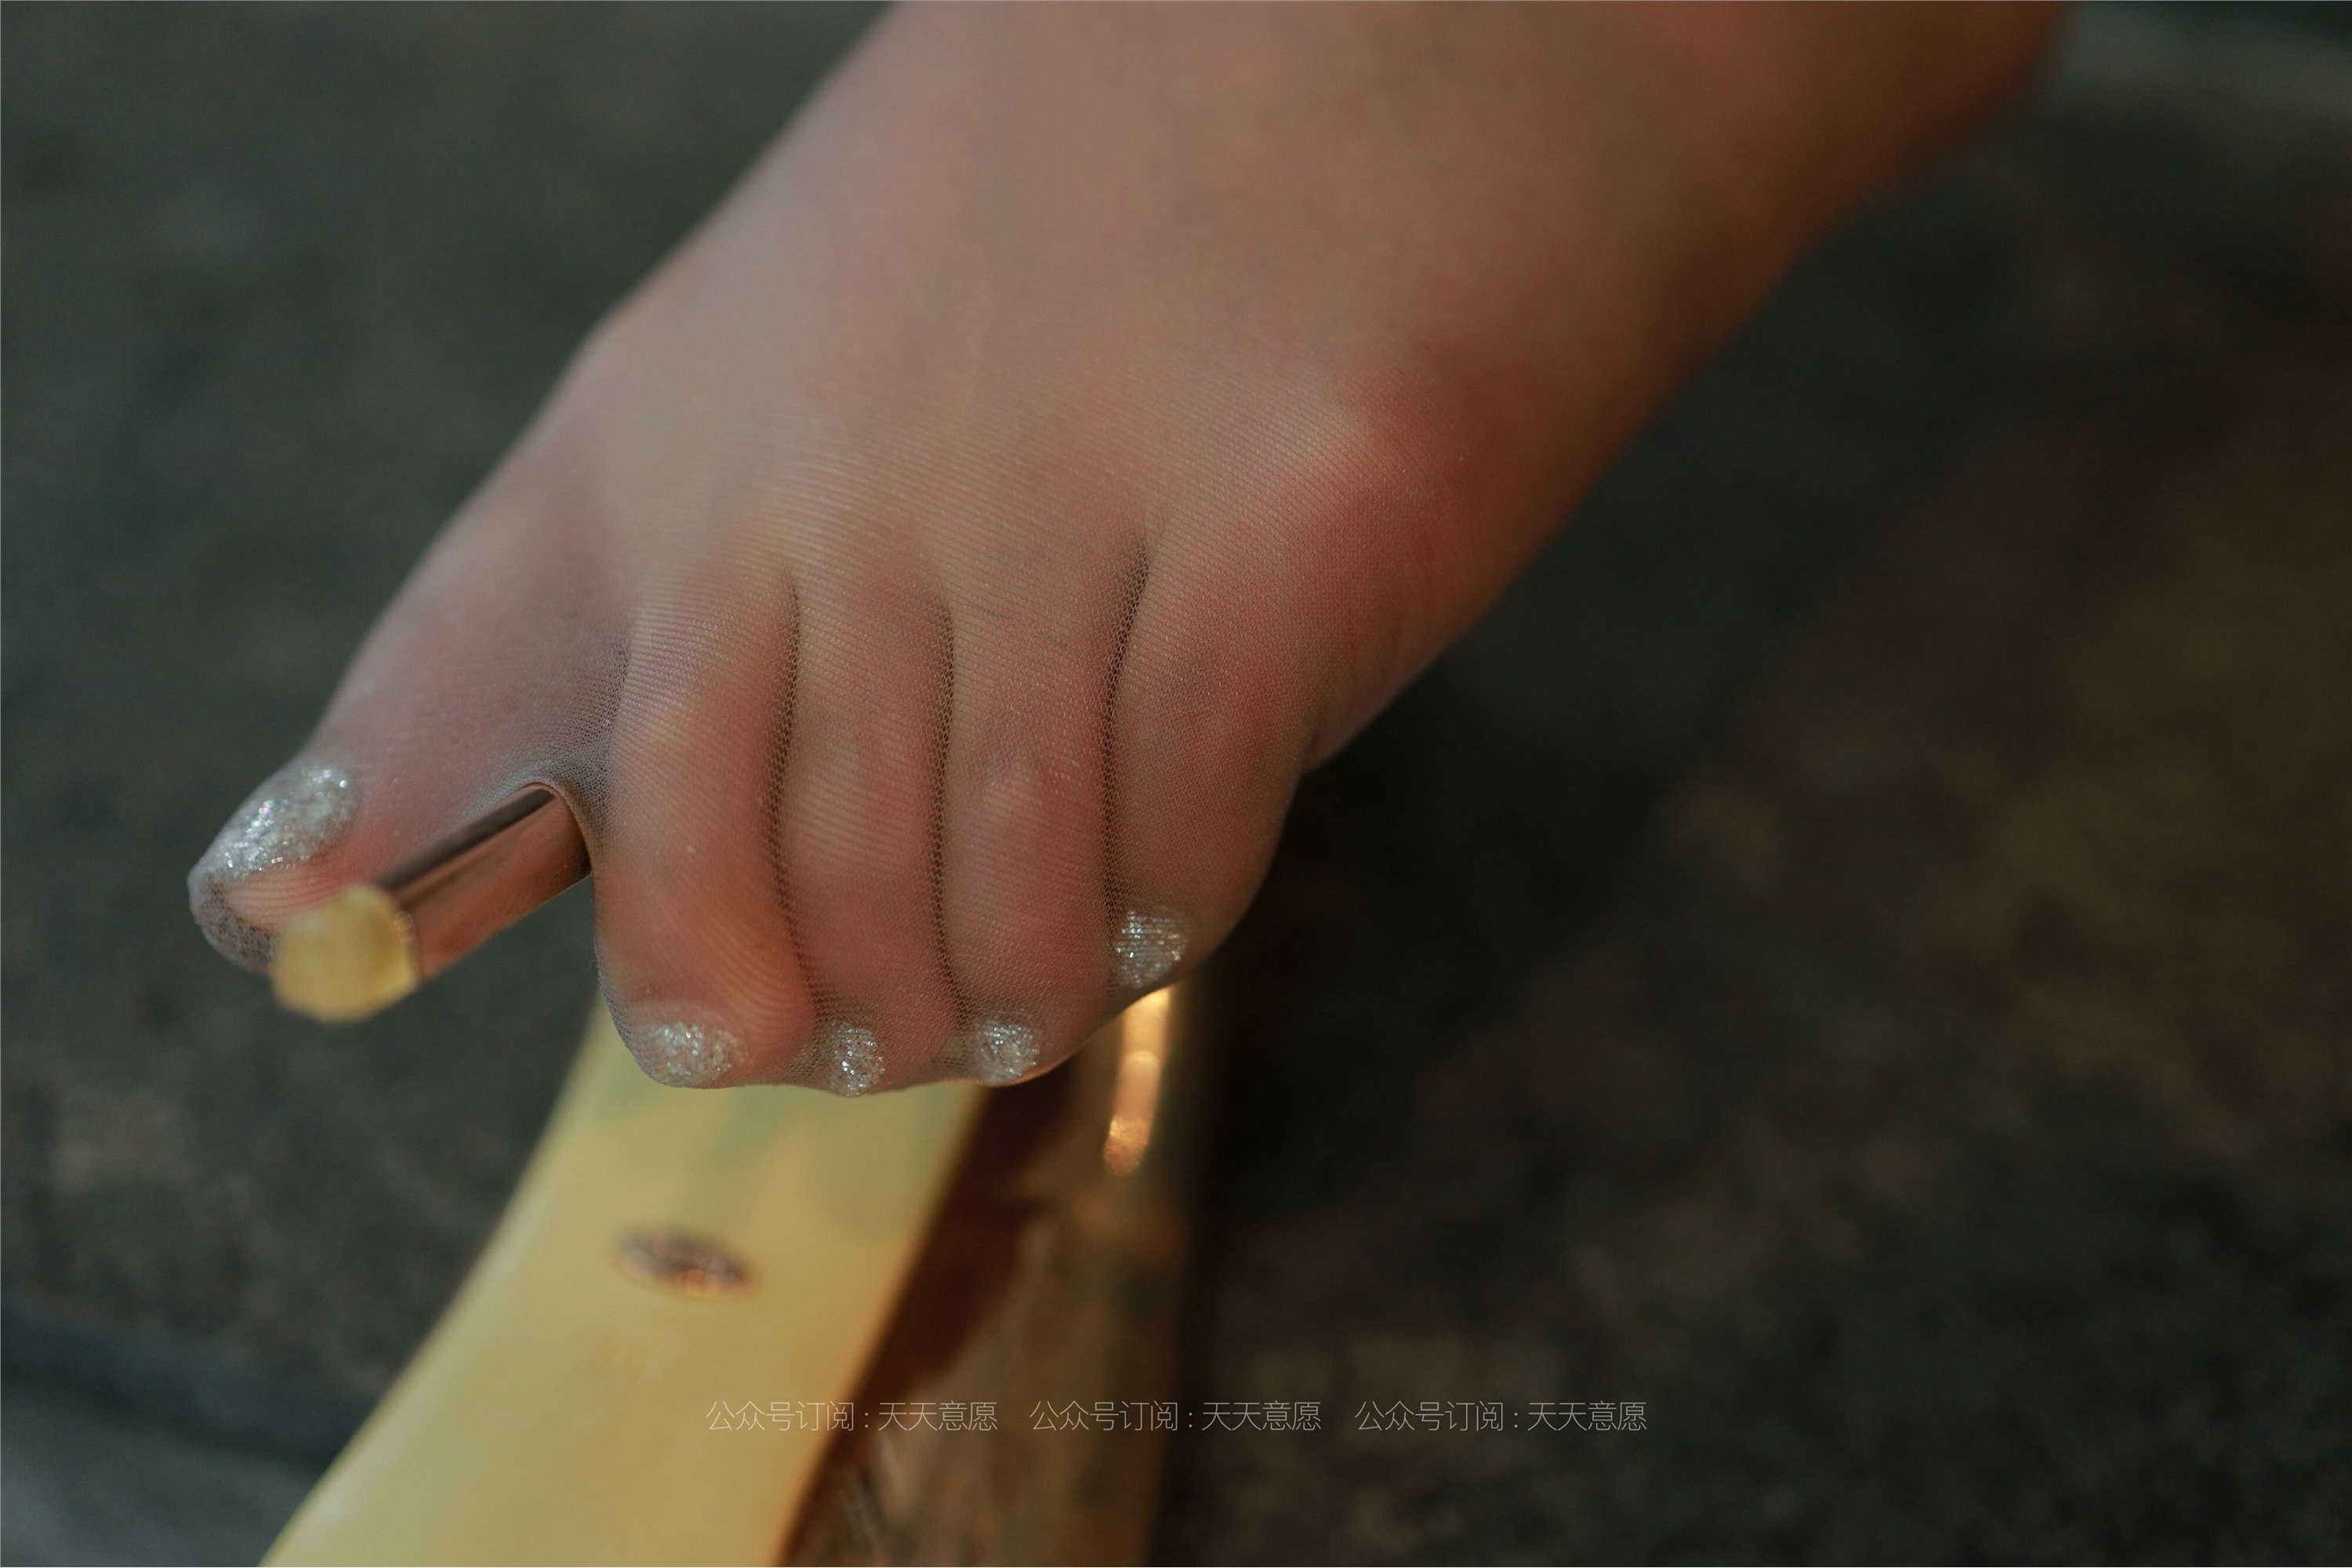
{"x": 1850, "y": 956}
{"x": 86, "y": 1481}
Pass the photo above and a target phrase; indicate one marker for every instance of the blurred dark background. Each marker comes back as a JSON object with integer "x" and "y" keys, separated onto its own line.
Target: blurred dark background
{"x": 1852, "y": 955}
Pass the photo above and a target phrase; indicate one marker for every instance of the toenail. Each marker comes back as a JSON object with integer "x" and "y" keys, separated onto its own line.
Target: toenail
{"x": 1001, "y": 1050}
{"x": 299, "y": 811}
{"x": 847, "y": 1059}
{"x": 302, "y": 808}
{"x": 1146, "y": 949}
{"x": 682, "y": 1054}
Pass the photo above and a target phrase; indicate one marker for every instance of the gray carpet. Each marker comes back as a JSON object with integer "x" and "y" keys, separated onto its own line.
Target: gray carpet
{"x": 1848, "y": 956}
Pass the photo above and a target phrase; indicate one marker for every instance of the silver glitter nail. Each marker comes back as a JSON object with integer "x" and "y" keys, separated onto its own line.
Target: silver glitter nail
{"x": 299, "y": 811}
{"x": 847, "y": 1059}
{"x": 683, "y": 1054}
{"x": 1001, "y": 1050}
{"x": 302, "y": 808}
{"x": 1146, "y": 949}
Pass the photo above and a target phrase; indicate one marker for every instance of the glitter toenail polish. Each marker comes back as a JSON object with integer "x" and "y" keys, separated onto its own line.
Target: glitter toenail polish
{"x": 683, "y": 1054}
{"x": 846, "y": 1059}
{"x": 299, "y": 811}
{"x": 1146, "y": 949}
{"x": 1001, "y": 1050}
{"x": 302, "y": 808}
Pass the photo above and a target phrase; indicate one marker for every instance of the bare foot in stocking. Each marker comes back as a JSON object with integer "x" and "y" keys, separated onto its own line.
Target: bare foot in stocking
{"x": 929, "y": 587}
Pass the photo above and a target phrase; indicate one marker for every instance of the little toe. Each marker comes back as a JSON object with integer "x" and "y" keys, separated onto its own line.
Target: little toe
{"x": 1207, "y": 732}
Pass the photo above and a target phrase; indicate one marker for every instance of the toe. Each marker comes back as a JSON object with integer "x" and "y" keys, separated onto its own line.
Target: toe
{"x": 1207, "y": 732}
{"x": 859, "y": 821}
{"x": 692, "y": 936}
{"x": 1024, "y": 835}
{"x": 485, "y": 675}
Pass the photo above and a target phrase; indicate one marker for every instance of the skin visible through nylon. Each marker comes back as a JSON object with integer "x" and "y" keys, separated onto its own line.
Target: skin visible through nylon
{"x": 927, "y": 588}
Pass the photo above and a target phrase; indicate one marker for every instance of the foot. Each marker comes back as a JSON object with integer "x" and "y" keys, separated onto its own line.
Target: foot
{"x": 929, "y": 587}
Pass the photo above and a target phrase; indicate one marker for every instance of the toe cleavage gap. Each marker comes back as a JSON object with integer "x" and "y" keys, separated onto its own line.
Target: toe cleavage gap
{"x": 780, "y": 748}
